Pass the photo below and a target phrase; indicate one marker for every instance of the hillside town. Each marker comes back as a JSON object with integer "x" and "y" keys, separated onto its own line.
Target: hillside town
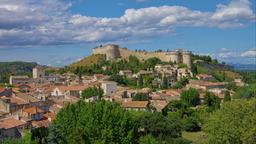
{"x": 33, "y": 102}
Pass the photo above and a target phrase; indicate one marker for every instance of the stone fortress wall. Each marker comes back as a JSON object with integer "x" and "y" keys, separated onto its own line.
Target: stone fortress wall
{"x": 115, "y": 52}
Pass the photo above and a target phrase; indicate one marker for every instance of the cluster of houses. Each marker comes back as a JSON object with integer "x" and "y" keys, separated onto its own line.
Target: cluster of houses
{"x": 172, "y": 73}
{"x": 34, "y": 102}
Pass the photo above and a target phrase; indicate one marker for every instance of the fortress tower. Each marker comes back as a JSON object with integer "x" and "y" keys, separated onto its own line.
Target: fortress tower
{"x": 186, "y": 58}
{"x": 174, "y": 56}
{"x": 111, "y": 51}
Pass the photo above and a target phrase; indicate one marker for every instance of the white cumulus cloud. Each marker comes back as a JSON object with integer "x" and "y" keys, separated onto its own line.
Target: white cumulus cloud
{"x": 250, "y": 53}
{"x": 49, "y": 22}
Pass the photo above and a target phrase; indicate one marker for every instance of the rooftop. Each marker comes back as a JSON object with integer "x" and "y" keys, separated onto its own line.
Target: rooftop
{"x": 72, "y": 88}
{"x": 33, "y": 110}
{"x": 41, "y": 123}
{"x": 10, "y": 123}
{"x": 20, "y": 77}
{"x": 135, "y": 104}
{"x": 50, "y": 115}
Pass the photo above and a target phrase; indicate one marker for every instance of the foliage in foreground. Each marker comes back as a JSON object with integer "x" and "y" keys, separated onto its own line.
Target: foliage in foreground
{"x": 190, "y": 97}
{"x": 99, "y": 122}
{"x": 234, "y": 122}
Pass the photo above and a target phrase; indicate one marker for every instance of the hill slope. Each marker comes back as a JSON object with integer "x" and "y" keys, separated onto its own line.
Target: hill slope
{"x": 90, "y": 60}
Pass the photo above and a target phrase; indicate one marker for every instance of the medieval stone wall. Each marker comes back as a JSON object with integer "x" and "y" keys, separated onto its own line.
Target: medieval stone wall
{"x": 115, "y": 52}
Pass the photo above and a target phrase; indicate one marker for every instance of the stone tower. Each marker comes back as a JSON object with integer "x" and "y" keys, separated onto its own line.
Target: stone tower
{"x": 175, "y": 56}
{"x": 38, "y": 72}
{"x": 111, "y": 51}
{"x": 186, "y": 58}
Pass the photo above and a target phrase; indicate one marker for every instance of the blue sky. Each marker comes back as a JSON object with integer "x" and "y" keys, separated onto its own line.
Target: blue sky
{"x": 58, "y": 32}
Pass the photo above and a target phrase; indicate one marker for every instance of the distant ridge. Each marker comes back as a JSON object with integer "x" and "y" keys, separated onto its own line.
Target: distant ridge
{"x": 15, "y": 68}
{"x": 244, "y": 67}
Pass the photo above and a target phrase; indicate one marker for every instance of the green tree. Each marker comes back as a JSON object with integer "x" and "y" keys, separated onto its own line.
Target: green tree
{"x": 95, "y": 122}
{"x": 140, "y": 82}
{"x": 164, "y": 84}
{"x": 227, "y": 96}
{"x": 181, "y": 83}
{"x": 40, "y": 134}
{"x": 119, "y": 79}
{"x": 91, "y": 92}
{"x": 134, "y": 63}
{"x": 190, "y": 97}
{"x": 212, "y": 101}
{"x": 151, "y": 63}
{"x": 55, "y": 136}
{"x": 246, "y": 92}
{"x": 27, "y": 138}
{"x": 160, "y": 126}
{"x": 233, "y": 123}
{"x": 140, "y": 97}
{"x": 149, "y": 139}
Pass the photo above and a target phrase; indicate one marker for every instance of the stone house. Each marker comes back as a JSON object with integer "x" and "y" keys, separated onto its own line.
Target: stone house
{"x": 109, "y": 87}
{"x": 127, "y": 73}
{"x": 16, "y": 80}
{"x": 66, "y": 91}
{"x": 205, "y": 77}
{"x": 136, "y": 105}
{"x": 33, "y": 113}
{"x": 12, "y": 128}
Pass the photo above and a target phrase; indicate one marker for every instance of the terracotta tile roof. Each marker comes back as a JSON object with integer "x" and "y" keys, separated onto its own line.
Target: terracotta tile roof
{"x": 41, "y": 123}
{"x": 50, "y": 115}
{"x": 135, "y": 104}
{"x": 61, "y": 103}
{"x": 26, "y": 97}
{"x": 2, "y": 89}
{"x": 204, "y": 75}
{"x": 17, "y": 101}
{"x": 159, "y": 104}
{"x": 20, "y": 85}
{"x": 99, "y": 76}
{"x": 11, "y": 123}
{"x": 72, "y": 88}
{"x": 33, "y": 110}
{"x": 174, "y": 92}
{"x": 206, "y": 83}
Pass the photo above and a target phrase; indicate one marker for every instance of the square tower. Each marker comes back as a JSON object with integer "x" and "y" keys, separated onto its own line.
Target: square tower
{"x": 38, "y": 72}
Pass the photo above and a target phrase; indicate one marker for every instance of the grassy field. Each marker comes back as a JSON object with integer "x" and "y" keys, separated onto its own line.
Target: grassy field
{"x": 195, "y": 137}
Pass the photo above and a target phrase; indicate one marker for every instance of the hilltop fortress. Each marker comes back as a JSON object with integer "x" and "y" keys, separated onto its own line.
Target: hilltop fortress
{"x": 115, "y": 52}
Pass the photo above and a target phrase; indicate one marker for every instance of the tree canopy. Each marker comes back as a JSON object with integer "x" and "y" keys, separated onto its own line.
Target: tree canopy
{"x": 234, "y": 123}
{"x": 91, "y": 92}
{"x": 212, "y": 101}
{"x": 95, "y": 122}
{"x": 190, "y": 97}
{"x": 140, "y": 97}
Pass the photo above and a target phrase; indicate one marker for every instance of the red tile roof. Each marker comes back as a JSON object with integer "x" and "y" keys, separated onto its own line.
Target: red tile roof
{"x": 33, "y": 110}
{"x": 11, "y": 123}
{"x": 41, "y": 123}
{"x": 50, "y": 115}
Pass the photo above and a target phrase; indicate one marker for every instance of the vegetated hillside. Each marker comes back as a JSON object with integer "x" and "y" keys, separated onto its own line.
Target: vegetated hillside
{"x": 222, "y": 72}
{"x": 15, "y": 68}
{"x": 90, "y": 60}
